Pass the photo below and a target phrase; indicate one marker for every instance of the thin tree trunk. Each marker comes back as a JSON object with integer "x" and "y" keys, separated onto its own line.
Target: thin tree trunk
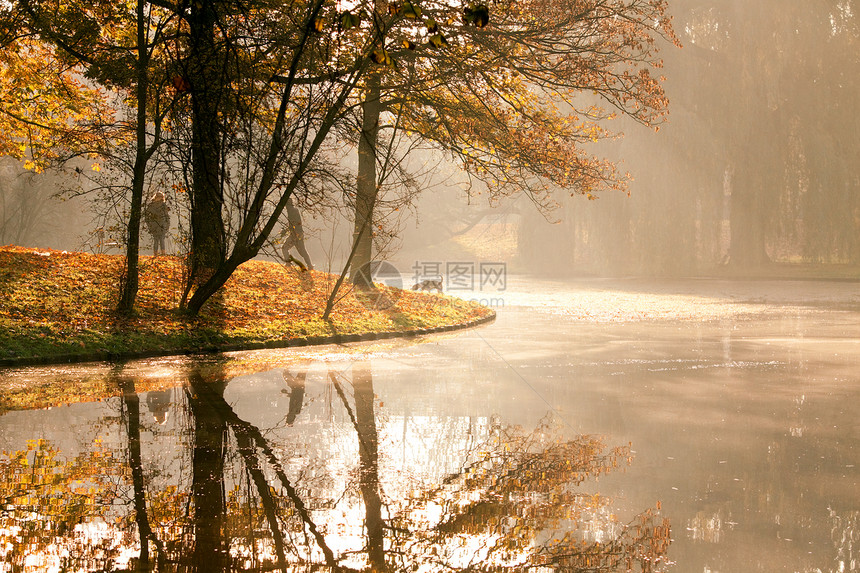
{"x": 132, "y": 258}
{"x": 368, "y": 448}
{"x": 332, "y": 297}
{"x": 144, "y": 530}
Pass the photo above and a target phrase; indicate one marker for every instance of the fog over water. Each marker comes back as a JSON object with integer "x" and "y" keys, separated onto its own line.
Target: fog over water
{"x": 736, "y": 399}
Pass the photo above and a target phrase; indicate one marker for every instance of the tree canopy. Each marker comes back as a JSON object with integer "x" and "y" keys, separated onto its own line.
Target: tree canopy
{"x": 239, "y": 104}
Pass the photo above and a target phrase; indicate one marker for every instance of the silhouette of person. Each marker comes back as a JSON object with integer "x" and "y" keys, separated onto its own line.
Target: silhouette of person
{"x": 295, "y": 236}
{"x": 157, "y": 219}
{"x": 297, "y": 394}
{"x": 158, "y": 402}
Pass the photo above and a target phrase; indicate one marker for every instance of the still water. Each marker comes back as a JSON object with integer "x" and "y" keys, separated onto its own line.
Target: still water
{"x": 698, "y": 426}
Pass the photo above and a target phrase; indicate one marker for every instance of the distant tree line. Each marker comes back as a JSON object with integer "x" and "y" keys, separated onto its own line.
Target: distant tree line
{"x": 758, "y": 164}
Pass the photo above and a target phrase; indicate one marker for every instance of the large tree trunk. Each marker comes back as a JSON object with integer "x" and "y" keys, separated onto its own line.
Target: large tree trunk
{"x": 207, "y": 80}
{"x": 366, "y": 187}
{"x": 211, "y": 267}
{"x": 207, "y": 487}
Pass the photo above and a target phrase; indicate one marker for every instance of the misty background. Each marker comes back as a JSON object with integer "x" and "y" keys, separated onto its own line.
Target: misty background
{"x": 754, "y": 171}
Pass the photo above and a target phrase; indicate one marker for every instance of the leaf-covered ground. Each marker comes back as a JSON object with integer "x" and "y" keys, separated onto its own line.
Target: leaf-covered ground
{"x": 60, "y": 304}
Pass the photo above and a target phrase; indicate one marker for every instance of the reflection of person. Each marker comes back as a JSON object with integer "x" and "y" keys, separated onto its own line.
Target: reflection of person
{"x": 158, "y": 402}
{"x": 297, "y": 394}
{"x": 295, "y": 236}
{"x": 157, "y": 218}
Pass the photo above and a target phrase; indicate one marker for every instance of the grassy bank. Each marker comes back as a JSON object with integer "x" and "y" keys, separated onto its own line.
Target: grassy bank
{"x": 57, "y": 305}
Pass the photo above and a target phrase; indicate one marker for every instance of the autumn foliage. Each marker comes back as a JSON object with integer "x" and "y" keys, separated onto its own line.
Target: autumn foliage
{"x": 46, "y": 108}
{"x": 55, "y": 303}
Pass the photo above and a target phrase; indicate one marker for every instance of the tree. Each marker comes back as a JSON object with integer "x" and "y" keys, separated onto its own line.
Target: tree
{"x": 208, "y": 70}
{"x": 279, "y": 145}
{"x": 501, "y": 91}
{"x": 367, "y": 185}
{"x": 144, "y": 20}
{"x": 775, "y": 95}
{"x": 111, "y": 45}
{"x": 243, "y": 71}
{"x": 26, "y": 204}
{"x": 48, "y": 112}
{"x": 507, "y": 158}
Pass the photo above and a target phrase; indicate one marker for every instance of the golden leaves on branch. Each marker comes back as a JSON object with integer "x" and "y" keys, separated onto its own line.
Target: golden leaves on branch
{"x": 45, "y": 107}
{"x": 531, "y": 100}
{"x": 381, "y": 57}
{"x": 410, "y": 10}
{"x": 349, "y": 20}
{"x": 436, "y": 40}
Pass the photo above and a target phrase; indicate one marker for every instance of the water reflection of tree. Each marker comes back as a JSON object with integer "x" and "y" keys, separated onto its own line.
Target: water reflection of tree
{"x": 513, "y": 504}
{"x": 52, "y": 506}
{"x": 131, "y": 415}
{"x": 364, "y": 421}
{"x": 281, "y": 508}
{"x": 207, "y": 491}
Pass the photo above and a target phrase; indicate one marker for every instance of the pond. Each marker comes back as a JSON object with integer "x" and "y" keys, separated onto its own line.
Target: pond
{"x": 690, "y": 426}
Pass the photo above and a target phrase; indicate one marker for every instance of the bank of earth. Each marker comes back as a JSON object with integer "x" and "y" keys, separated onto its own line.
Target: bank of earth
{"x": 58, "y": 306}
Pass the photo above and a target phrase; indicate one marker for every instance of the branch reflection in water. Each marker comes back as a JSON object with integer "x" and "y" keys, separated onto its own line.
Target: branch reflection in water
{"x": 205, "y": 489}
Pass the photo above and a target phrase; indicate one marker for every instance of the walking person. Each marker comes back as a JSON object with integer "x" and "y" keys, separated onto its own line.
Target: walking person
{"x": 295, "y": 236}
{"x": 157, "y": 218}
